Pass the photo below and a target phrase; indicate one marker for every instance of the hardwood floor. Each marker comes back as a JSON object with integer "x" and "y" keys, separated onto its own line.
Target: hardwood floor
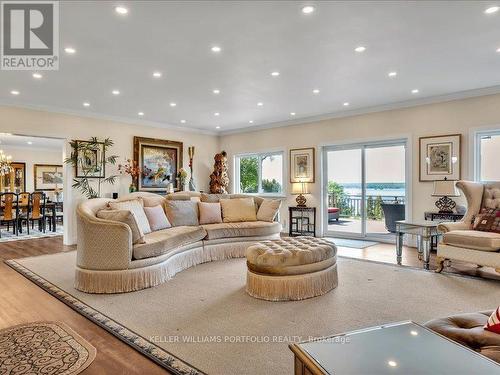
{"x": 23, "y": 301}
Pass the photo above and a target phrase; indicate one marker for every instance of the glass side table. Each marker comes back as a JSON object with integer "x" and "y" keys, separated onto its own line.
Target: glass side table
{"x": 425, "y": 231}
{"x": 396, "y": 348}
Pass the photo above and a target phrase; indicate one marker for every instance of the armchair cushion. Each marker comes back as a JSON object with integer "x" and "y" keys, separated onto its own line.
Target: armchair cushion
{"x": 488, "y": 220}
{"x": 472, "y": 239}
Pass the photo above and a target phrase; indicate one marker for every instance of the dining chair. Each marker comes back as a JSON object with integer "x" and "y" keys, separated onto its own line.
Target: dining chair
{"x": 35, "y": 211}
{"x": 9, "y": 204}
{"x": 56, "y": 210}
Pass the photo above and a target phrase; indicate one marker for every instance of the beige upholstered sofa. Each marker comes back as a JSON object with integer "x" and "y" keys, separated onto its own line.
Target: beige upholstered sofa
{"x": 460, "y": 241}
{"x": 108, "y": 262}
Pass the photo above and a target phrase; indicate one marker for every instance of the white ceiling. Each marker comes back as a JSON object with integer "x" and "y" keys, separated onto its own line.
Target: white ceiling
{"x": 438, "y": 47}
{"x": 31, "y": 143}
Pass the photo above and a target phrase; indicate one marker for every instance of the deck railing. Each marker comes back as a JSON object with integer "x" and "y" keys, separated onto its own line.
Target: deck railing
{"x": 350, "y": 205}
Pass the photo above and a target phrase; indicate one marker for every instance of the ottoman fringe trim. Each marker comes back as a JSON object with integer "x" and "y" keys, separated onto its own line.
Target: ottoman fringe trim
{"x": 295, "y": 287}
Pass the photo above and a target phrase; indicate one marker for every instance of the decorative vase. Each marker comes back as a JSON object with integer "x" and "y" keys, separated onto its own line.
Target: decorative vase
{"x": 192, "y": 185}
{"x": 131, "y": 188}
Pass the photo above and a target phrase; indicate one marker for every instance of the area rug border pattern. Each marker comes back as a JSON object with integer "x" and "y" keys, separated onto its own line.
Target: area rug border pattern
{"x": 158, "y": 355}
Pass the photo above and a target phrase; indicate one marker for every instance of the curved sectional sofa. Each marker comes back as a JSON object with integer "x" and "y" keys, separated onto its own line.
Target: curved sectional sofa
{"x": 108, "y": 262}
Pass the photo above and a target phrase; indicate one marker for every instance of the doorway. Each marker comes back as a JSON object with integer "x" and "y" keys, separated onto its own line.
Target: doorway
{"x": 366, "y": 189}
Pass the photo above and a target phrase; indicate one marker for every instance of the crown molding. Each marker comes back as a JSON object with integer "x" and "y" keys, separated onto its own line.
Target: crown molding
{"x": 102, "y": 116}
{"x": 485, "y": 91}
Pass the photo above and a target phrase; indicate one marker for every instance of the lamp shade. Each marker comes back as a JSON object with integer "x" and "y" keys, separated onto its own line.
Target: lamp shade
{"x": 445, "y": 188}
{"x": 300, "y": 188}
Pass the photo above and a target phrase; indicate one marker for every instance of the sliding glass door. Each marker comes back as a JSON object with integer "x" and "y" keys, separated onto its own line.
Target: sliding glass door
{"x": 365, "y": 188}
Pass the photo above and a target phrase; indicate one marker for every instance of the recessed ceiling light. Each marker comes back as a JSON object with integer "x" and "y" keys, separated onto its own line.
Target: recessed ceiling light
{"x": 216, "y": 91}
{"x": 86, "y": 104}
{"x": 140, "y": 113}
{"x": 115, "y": 92}
{"x": 172, "y": 104}
{"x": 346, "y": 104}
{"x": 308, "y": 9}
{"x": 216, "y": 114}
{"x": 316, "y": 91}
{"x": 217, "y": 127}
{"x": 415, "y": 91}
{"x": 216, "y": 49}
{"x": 414, "y": 333}
{"x": 392, "y": 363}
{"x": 29, "y": 142}
{"x": 15, "y": 92}
{"x": 392, "y": 74}
{"x": 121, "y": 10}
{"x": 292, "y": 113}
{"x": 183, "y": 121}
{"x": 498, "y": 50}
{"x": 250, "y": 122}
{"x": 275, "y": 74}
{"x": 260, "y": 104}
{"x": 37, "y": 75}
{"x": 360, "y": 49}
{"x": 157, "y": 74}
{"x": 70, "y": 50}
{"x": 492, "y": 10}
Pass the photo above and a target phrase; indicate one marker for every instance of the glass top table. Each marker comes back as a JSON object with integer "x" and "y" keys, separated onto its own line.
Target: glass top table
{"x": 425, "y": 232}
{"x": 397, "y": 348}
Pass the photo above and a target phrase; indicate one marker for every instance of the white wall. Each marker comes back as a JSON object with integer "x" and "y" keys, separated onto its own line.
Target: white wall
{"x": 460, "y": 116}
{"x": 32, "y": 156}
{"x": 29, "y": 122}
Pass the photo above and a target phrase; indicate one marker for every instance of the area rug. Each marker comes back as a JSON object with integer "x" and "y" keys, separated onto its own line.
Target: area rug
{"x": 43, "y": 348}
{"x": 8, "y": 236}
{"x": 202, "y": 321}
{"x": 355, "y": 244}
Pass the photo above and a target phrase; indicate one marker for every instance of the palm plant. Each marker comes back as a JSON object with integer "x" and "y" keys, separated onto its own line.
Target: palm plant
{"x": 87, "y": 183}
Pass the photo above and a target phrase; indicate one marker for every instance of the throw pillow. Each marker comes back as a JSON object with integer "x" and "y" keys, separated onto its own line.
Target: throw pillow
{"x": 488, "y": 220}
{"x": 137, "y": 207}
{"x": 268, "y": 209}
{"x": 213, "y": 198}
{"x": 181, "y": 212}
{"x": 126, "y": 217}
{"x": 237, "y": 210}
{"x": 493, "y": 323}
{"x": 157, "y": 218}
{"x": 210, "y": 213}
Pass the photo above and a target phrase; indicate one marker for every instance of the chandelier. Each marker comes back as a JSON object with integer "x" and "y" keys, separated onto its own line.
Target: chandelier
{"x": 5, "y": 161}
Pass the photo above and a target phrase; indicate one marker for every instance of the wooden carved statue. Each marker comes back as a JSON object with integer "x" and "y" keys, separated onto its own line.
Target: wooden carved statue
{"x": 219, "y": 179}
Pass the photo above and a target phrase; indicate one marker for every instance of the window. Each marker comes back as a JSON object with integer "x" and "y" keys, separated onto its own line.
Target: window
{"x": 487, "y": 156}
{"x": 259, "y": 173}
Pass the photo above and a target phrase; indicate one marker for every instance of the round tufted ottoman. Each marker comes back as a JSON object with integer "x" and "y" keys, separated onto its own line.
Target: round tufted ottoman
{"x": 292, "y": 268}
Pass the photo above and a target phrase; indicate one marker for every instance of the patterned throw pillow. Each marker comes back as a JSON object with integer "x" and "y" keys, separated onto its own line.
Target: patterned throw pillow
{"x": 137, "y": 207}
{"x": 488, "y": 220}
{"x": 493, "y": 323}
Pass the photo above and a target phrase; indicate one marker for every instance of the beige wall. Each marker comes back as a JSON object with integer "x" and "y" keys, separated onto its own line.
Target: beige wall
{"x": 47, "y": 124}
{"x": 459, "y": 116}
{"x": 32, "y": 156}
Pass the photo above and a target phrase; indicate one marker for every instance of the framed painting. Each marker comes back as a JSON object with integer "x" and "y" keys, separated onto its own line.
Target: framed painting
{"x": 48, "y": 177}
{"x": 159, "y": 162}
{"x": 440, "y": 157}
{"x": 90, "y": 160}
{"x": 302, "y": 163}
{"x": 15, "y": 181}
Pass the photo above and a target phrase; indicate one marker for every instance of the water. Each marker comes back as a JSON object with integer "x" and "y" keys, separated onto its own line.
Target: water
{"x": 377, "y": 192}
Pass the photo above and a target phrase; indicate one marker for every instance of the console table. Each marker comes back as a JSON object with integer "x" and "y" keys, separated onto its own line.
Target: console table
{"x": 302, "y": 221}
{"x": 397, "y": 348}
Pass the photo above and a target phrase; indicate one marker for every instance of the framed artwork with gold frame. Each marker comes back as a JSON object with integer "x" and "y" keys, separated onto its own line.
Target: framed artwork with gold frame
{"x": 48, "y": 177}
{"x": 159, "y": 161}
{"x": 302, "y": 165}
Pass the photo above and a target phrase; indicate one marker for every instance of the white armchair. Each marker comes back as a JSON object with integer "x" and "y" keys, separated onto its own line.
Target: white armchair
{"x": 460, "y": 241}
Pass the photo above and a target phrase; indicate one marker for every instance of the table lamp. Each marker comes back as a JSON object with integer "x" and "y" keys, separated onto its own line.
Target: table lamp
{"x": 445, "y": 189}
{"x": 299, "y": 189}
